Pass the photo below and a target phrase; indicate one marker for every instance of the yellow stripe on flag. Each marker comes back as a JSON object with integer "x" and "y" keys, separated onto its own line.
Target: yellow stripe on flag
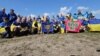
{"x": 94, "y": 27}
{"x": 2, "y": 30}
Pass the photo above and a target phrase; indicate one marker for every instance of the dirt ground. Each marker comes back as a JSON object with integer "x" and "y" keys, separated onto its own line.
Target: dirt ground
{"x": 69, "y": 44}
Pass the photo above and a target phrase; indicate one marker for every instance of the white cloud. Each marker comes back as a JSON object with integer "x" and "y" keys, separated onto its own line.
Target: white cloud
{"x": 82, "y": 8}
{"x": 96, "y": 12}
{"x": 46, "y": 14}
{"x": 32, "y": 15}
{"x": 65, "y": 10}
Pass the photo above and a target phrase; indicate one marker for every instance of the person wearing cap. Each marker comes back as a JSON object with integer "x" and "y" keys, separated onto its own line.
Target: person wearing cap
{"x": 12, "y": 16}
{"x": 2, "y": 14}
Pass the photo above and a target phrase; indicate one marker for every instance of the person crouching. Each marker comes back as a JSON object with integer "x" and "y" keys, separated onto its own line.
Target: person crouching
{"x": 35, "y": 26}
{"x": 16, "y": 27}
{"x": 6, "y": 24}
{"x": 24, "y": 26}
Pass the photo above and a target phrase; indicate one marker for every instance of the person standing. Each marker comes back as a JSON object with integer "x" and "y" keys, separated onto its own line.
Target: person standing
{"x": 2, "y": 14}
{"x": 12, "y": 16}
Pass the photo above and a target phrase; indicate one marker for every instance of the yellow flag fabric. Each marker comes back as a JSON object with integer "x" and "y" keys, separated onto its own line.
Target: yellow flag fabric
{"x": 39, "y": 26}
{"x": 33, "y": 24}
{"x": 12, "y": 27}
{"x": 2, "y": 30}
{"x": 62, "y": 30}
{"x": 94, "y": 27}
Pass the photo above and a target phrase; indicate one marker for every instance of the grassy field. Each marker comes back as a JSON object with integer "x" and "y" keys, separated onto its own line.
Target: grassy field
{"x": 69, "y": 44}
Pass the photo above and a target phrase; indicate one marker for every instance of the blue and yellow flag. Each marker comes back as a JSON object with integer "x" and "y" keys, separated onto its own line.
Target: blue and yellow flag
{"x": 94, "y": 25}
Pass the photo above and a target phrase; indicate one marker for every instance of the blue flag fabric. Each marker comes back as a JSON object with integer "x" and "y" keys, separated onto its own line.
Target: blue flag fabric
{"x": 47, "y": 26}
{"x": 94, "y": 21}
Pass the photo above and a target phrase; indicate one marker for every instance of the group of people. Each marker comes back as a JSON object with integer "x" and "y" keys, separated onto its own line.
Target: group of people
{"x": 16, "y": 25}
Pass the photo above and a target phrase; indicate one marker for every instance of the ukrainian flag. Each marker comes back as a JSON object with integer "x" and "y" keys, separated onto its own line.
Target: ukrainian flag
{"x": 39, "y": 26}
{"x": 2, "y": 30}
{"x": 33, "y": 24}
{"x": 38, "y": 23}
{"x": 94, "y": 25}
{"x": 12, "y": 27}
{"x": 62, "y": 28}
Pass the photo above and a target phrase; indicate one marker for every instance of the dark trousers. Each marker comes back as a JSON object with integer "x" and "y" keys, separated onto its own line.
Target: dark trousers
{"x": 7, "y": 34}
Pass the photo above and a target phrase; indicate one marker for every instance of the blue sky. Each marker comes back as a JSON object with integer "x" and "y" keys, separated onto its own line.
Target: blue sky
{"x": 40, "y": 7}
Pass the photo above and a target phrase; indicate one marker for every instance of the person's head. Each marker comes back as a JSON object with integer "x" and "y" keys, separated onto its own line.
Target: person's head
{"x": 39, "y": 17}
{"x": 29, "y": 19}
{"x": 79, "y": 11}
{"x": 5, "y": 19}
{"x": 3, "y": 10}
{"x": 61, "y": 15}
{"x": 75, "y": 14}
{"x": 39, "y": 20}
{"x": 57, "y": 16}
{"x": 11, "y": 11}
{"x": 23, "y": 19}
{"x": 68, "y": 17}
{"x": 34, "y": 18}
{"x": 18, "y": 20}
{"x": 92, "y": 17}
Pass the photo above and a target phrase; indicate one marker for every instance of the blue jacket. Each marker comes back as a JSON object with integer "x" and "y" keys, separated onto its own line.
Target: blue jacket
{"x": 84, "y": 23}
{"x": 2, "y": 15}
{"x": 62, "y": 18}
{"x": 5, "y": 24}
{"x": 12, "y": 17}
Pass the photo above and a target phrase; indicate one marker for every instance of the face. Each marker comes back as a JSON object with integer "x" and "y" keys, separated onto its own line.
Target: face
{"x": 3, "y": 10}
{"x": 18, "y": 20}
{"x": 11, "y": 11}
{"x": 29, "y": 19}
{"x": 23, "y": 19}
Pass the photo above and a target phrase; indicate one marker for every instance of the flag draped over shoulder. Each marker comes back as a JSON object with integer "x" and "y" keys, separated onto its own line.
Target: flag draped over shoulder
{"x": 94, "y": 25}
